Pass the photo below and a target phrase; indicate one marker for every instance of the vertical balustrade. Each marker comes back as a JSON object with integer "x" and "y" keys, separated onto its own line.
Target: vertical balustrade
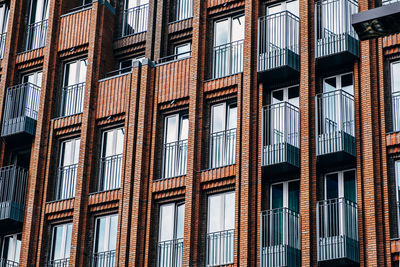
{"x": 36, "y": 35}
{"x": 227, "y": 59}
{"x": 223, "y": 148}
{"x": 219, "y": 248}
{"x": 169, "y": 253}
{"x": 135, "y": 20}
{"x": 174, "y": 159}
{"x": 110, "y": 173}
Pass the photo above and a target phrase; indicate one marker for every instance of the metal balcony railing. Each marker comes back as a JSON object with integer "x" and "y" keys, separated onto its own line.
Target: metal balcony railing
{"x": 66, "y": 181}
{"x": 170, "y": 253}
{"x": 219, "y": 248}
{"x": 223, "y": 148}
{"x": 175, "y": 57}
{"x": 21, "y": 109}
{"x": 72, "y": 99}
{"x": 104, "y": 259}
{"x": 36, "y": 35}
{"x": 110, "y": 173}
{"x": 184, "y": 9}
{"x": 281, "y": 134}
{"x": 8, "y": 263}
{"x": 334, "y": 31}
{"x": 335, "y": 122}
{"x": 3, "y": 37}
{"x": 227, "y": 59}
{"x": 396, "y": 111}
{"x": 135, "y": 20}
{"x": 278, "y": 41}
{"x": 59, "y": 263}
{"x": 337, "y": 230}
{"x": 280, "y": 238}
{"x": 397, "y": 233}
{"x": 388, "y": 2}
{"x": 13, "y": 183}
{"x": 174, "y": 159}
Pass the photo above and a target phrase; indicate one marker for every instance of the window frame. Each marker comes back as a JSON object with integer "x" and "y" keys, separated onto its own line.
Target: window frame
{"x": 63, "y": 240}
{"x": 223, "y": 215}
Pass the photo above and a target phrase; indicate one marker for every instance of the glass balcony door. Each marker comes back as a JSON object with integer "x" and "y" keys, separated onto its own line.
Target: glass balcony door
{"x": 37, "y": 24}
{"x": 61, "y": 245}
{"x": 11, "y": 249}
{"x": 135, "y": 16}
{"x": 4, "y": 12}
{"x": 184, "y": 9}
{"x": 105, "y": 241}
{"x": 395, "y": 87}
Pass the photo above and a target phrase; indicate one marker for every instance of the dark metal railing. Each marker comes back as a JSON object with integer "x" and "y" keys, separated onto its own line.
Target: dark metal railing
{"x": 36, "y": 35}
{"x": 3, "y": 38}
{"x": 222, "y": 148}
{"x": 227, "y": 59}
{"x": 8, "y": 263}
{"x": 219, "y": 248}
{"x": 280, "y": 237}
{"x": 135, "y": 20}
{"x": 104, "y": 259}
{"x": 335, "y": 121}
{"x": 277, "y": 34}
{"x": 71, "y": 101}
{"x": 333, "y": 26}
{"x": 280, "y": 128}
{"x": 396, "y": 111}
{"x": 66, "y": 181}
{"x": 337, "y": 229}
{"x": 59, "y": 263}
{"x": 13, "y": 183}
{"x": 184, "y": 9}
{"x": 110, "y": 173}
{"x": 174, "y": 159}
{"x": 170, "y": 253}
{"x": 397, "y": 233}
{"x": 174, "y": 57}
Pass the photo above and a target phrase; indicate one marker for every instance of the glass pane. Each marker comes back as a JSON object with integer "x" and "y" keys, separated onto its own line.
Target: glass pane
{"x": 184, "y": 128}
{"x": 180, "y": 221}
{"x": 293, "y": 7}
{"x": 215, "y": 213}
{"x": 100, "y": 235}
{"x": 397, "y": 175}
{"x": 232, "y": 120}
{"x": 238, "y": 28}
{"x": 350, "y": 185}
{"x": 293, "y": 96}
{"x": 229, "y": 211}
{"x": 108, "y": 143}
{"x": 274, "y": 9}
{"x": 218, "y": 118}
{"x": 70, "y": 74}
{"x": 75, "y": 159}
{"x": 294, "y": 196}
{"x": 17, "y": 248}
{"x": 183, "y": 50}
{"x": 222, "y": 35}
{"x": 171, "y": 129}
{"x": 82, "y": 71}
{"x": 6, "y": 250}
{"x": 277, "y": 196}
{"x": 347, "y": 83}
{"x": 167, "y": 222}
{"x": 120, "y": 141}
{"x": 332, "y": 186}
{"x": 277, "y": 96}
{"x": 112, "y": 242}
{"x": 68, "y": 241}
{"x": 57, "y": 245}
{"x": 330, "y": 84}
{"x": 66, "y": 153}
{"x": 396, "y": 77}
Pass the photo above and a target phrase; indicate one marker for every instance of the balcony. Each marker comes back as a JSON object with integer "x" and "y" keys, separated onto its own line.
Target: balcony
{"x": 59, "y": 263}
{"x": 336, "y": 40}
{"x": 135, "y": 20}
{"x": 8, "y": 263}
{"x": 396, "y": 111}
{"x": 223, "y": 148}
{"x": 13, "y": 183}
{"x": 335, "y": 126}
{"x": 184, "y": 10}
{"x": 104, "y": 259}
{"x": 66, "y": 181}
{"x": 175, "y": 159}
{"x": 21, "y": 110}
{"x": 280, "y": 238}
{"x": 71, "y": 102}
{"x": 227, "y": 59}
{"x": 35, "y": 35}
{"x": 170, "y": 253}
{"x": 278, "y": 45}
{"x": 280, "y": 150}
{"x": 219, "y": 248}
{"x": 337, "y": 232}
{"x": 110, "y": 173}
{"x": 3, "y": 38}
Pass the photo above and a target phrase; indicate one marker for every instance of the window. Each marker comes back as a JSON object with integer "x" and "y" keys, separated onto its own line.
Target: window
{"x": 4, "y": 10}
{"x": 125, "y": 65}
{"x": 34, "y": 78}
{"x": 135, "y": 16}
{"x": 111, "y": 159}
{"x": 228, "y": 46}
{"x": 60, "y": 245}
{"x": 11, "y": 249}
{"x": 223, "y": 135}
{"x": 29, "y": 94}
{"x": 68, "y": 169}
{"x": 220, "y": 228}
{"x": 395, "y": 84}
{"x": 397, "y": 177}
{"x": 183, "y": 50}
{"x": 72, "y": 94}
{"x": 175, "y": 145}
{"x": 37, "y": 24}
{"x": 170, "y": 240}
{"x": 105, "y": 241}
{"x": 184, "y": 9}
{"x": 291, "y": 6}
{"x": 341, "y": 185}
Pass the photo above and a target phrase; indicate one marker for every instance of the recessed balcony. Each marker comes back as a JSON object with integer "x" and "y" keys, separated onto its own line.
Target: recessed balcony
{"x": 35, "y": 36}
{"x": 278, "y": 45}
{"x": 170, "y": 253}
{"x": 135, "y": 20}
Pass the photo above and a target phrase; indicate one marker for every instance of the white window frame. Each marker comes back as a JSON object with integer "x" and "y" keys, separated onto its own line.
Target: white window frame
{"x": 223, "y": 209}
{"x": 106, "y": 239}
{"x": 13, "y": 246}
{"x": 176, "y": 205}
{"x": 63, "y": 240}
{"x": 114, "y": 141}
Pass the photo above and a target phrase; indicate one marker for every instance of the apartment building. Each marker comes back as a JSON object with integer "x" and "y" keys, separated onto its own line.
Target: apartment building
{"x": 177, "y": 133}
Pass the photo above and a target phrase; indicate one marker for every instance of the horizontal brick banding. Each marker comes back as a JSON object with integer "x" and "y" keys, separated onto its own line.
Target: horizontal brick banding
{"x": 104, "y": 197}
{"x": 169, "y": 194}
{"x": 33, "y": 55}
{"x": 221, "y": 83}
{"x": 130, "y": 40}
{"x": 74, "y": 29}
{"x": 168, "y": 184}
{"x": 69, "y": 121}
{"x": 217, "y": 3}
{"x": 218, "y": 173}
{"x": 180, "y": 25}
{"x": 59, "y": 206}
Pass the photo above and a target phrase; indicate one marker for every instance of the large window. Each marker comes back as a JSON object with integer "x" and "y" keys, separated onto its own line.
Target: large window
{"x": 60, "y": 245}
{"x": 183, "y": 50}
{"x": 220, "y": 228}
{"x": 105, "y": 242}
{"x": 228, "y": 46}
{"x": 37, "y": 24}
{"x": 68, "y": 169}
{"x": 395, "y": 84}
{"x": 4, "y": 10}
{"x": 170, "y": 240}
{"x": 184, "y": 9}
{"x": 72, "y": 94}
{"x": 175, "y": 145}
{"x": 223, "y": 134}
{"x": 111, "y": 160}
{"x": 10, "y": 250}
{"x": 135, "y": 16}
